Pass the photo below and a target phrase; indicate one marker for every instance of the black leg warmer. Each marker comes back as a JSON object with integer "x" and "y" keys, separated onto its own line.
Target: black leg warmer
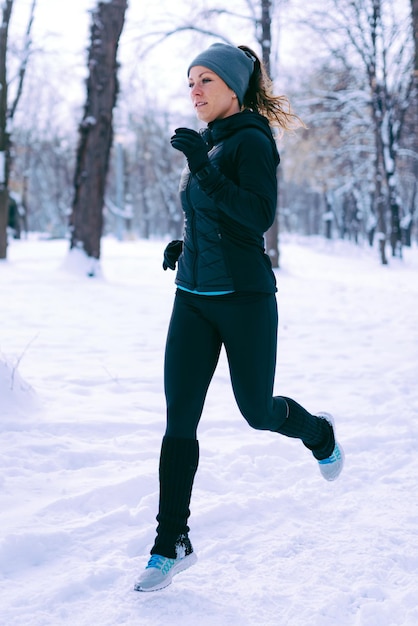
{"x": 178, "y": 464}
{"x": 316, "y": 433}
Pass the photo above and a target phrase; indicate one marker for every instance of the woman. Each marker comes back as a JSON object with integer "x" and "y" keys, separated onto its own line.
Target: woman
{"x": 225, "y": 288}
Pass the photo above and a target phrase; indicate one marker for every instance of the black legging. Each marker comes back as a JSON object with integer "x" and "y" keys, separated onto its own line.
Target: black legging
{"x": 246, "y": 324}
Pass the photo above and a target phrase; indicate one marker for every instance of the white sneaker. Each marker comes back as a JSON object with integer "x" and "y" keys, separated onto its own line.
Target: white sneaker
{"x": 160, "y": 570}
{"x": 332, "y": 466}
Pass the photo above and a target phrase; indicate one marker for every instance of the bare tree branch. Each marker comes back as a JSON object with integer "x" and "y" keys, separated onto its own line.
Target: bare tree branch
{"x": 23, "y": 66}
{"x": 210, "y": 12}
{"x": 164, "y": 35}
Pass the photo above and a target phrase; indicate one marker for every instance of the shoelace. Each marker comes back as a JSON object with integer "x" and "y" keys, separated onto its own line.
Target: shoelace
{"x": 160, "y": 562}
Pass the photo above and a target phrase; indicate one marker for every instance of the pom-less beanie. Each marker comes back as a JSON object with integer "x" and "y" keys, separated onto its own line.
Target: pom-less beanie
{"x": 232, "y": 64}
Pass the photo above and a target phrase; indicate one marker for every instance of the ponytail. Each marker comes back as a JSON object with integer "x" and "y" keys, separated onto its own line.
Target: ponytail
{"x": 259, "y": 97}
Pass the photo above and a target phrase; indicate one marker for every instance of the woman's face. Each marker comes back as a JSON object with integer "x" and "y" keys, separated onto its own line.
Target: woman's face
{"x": 211, "y": 97}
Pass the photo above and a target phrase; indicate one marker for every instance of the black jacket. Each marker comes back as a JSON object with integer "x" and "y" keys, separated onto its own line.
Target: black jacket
{"x": 228, "y": 207}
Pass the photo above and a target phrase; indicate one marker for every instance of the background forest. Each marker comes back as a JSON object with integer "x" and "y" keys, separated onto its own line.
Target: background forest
{"x": 349, "y": 68}
{"x": 90, "y": 93}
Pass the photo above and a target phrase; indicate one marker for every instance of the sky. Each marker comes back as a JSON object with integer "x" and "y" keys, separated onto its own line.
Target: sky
{"x": 62, "y": 30}
{"x": 61, "y": 33}
{"x": 82, "y": 416}
{"x": 61, "y": 40}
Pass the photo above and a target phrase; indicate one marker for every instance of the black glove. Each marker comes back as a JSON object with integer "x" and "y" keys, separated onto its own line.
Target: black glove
{"x": 172, "y": 253}
{"x": 193, "y": 147}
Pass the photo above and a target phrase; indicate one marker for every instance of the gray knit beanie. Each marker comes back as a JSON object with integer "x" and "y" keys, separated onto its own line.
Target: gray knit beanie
{"x": 232, "y": 64}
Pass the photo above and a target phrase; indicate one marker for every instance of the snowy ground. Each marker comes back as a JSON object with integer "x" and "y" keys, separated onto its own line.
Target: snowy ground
{"x": 82, "y": 415}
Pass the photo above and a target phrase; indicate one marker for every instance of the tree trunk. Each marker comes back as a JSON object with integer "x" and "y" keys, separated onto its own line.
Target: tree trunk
{"x": 328, "y": 216}
{"x": 96, "y": 132}
{"x": 4, "y": 131}
{"x": 272, "y": 235}
{"x": 380, "y": 204}
{"x": 378, "y": 110}
{"x": 414, "y": 7}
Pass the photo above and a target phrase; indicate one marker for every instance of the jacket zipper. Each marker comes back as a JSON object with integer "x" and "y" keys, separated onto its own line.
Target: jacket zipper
{"x": 193, "y": 229}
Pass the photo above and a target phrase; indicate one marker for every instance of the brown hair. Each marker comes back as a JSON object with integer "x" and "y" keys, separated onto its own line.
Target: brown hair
{"x": 260, "y": 98}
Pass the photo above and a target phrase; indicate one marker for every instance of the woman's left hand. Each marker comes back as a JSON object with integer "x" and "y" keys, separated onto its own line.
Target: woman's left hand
{"x": 193, "y": 147}
{"x": 172, "y": 253}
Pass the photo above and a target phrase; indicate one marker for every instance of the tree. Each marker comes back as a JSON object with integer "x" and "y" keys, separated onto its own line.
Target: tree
{"x": 264, "y": 39}
{"x": 148, "y": 186}
{"x": 7, "y": 113}
{"x": 96, "y": 128}
{"x": 414, "y": 13}
{"x": 371, "y": 36}
{"x": 414, "y": 8}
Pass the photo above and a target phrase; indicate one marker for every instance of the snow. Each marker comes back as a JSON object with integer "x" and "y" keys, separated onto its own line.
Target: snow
{"x": 82, "y": 416}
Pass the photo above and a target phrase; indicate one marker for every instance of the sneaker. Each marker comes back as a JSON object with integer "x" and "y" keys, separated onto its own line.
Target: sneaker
{"x": 160, "y": 570}
{"x": 332, "y": 466}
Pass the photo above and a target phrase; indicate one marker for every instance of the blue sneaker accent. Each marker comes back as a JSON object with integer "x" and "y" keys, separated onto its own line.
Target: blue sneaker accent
{"x": 332, "y": 466}
{"x": 335, "y": 456}
{"x": 160, "y": 562}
